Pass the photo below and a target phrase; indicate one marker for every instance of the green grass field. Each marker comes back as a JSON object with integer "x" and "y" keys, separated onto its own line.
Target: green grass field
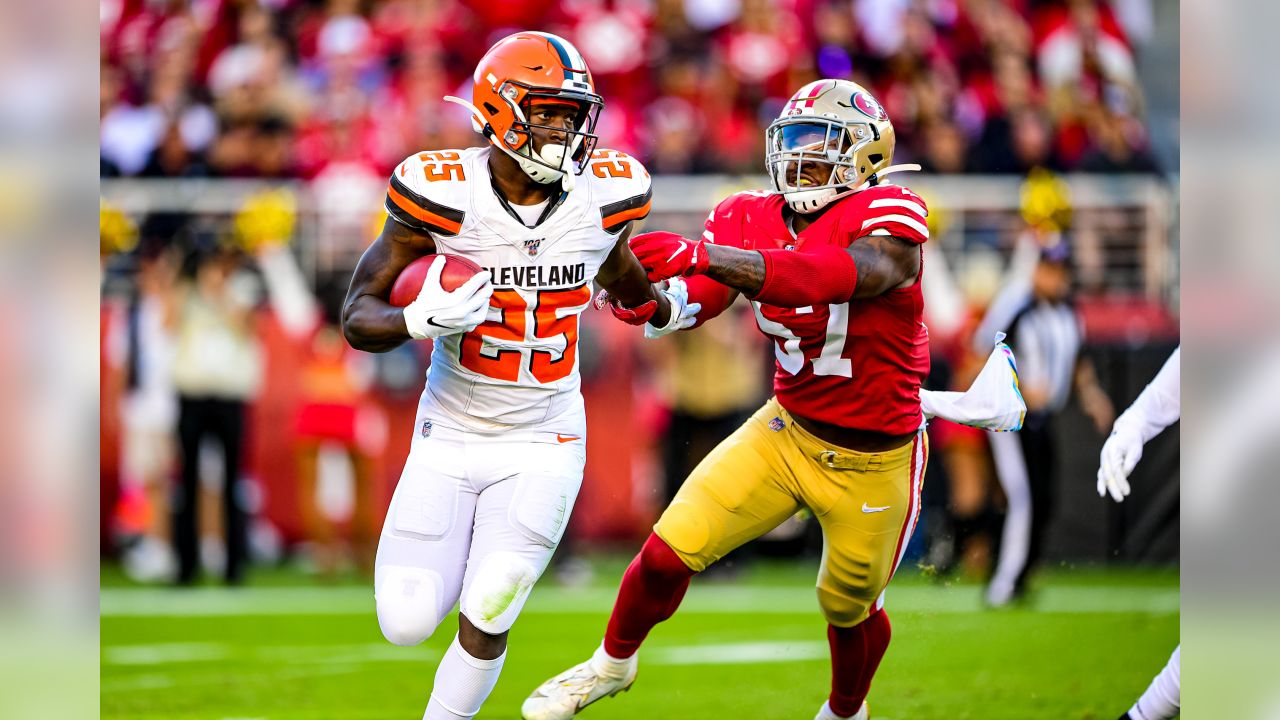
{"x": 755, "y": 649}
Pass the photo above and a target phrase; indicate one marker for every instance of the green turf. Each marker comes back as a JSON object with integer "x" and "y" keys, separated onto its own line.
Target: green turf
{"x": 753, "y": 649}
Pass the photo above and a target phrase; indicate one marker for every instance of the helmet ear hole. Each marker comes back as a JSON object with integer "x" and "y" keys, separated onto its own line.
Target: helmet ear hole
{"x": 875, "y": 159}
{"x": 489, "y": 108}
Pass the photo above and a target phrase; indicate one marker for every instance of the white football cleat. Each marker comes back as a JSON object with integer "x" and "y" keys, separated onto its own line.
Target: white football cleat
{"x": 566, "y": 694}
{"x": 825, "y": 713}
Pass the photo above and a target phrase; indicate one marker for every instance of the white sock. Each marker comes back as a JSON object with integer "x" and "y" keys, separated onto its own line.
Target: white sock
{"x": 608, "y": 665}
{"x": 462, "y": 684}
{"x": 1162, "y": 699}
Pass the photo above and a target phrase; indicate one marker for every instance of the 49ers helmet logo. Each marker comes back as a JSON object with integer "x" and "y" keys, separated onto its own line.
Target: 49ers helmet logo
{"x": 868, "y": 106}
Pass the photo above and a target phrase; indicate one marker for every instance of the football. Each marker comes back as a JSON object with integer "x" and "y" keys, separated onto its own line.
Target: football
{"x": 457, "y": 270}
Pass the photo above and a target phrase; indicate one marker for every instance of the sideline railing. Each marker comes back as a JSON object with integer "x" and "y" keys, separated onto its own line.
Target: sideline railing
{"x": 1124, "y": 234}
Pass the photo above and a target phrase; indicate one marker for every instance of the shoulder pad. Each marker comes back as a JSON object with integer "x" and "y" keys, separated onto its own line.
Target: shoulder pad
{"x": 891, "y": 210}
{"x": 623, "y": 188}
{"x": 426, "y": 189}
{"x": 723, "y": 225}
{"x": 742, "y": 201}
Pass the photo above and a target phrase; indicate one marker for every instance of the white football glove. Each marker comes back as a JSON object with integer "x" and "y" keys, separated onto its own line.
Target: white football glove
{"x": 683, "y": 313}
{"x": 1120, "y": 454}
{"x": 437, "y": 312}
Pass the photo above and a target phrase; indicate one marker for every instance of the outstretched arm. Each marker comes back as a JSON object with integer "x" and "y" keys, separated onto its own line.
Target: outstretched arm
{"x": 870, "y": 266}
{"x": 369, "y": 322}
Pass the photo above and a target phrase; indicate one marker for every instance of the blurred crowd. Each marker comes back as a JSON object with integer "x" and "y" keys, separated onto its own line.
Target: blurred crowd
{"x": 301, "y": 88}
{"x": 238, "y": 426}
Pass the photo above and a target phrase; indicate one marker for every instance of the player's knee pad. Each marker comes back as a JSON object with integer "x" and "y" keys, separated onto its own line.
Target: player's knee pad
{"x": 685, "y": 529}
{"x": 849, "y": 585}
{"x": 843, "y": 608}
{"x": 408, "y": 601}
{"x": 497, "y": 592}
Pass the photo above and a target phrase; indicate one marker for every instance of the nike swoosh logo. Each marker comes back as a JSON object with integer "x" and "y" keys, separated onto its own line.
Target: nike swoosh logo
{"x": 566, "y": 438}
{"x": 432, "y": 321}
{"x": 679, "y": 250}
{"x": 533, "y": 68}
{"x": 868, "y": 509}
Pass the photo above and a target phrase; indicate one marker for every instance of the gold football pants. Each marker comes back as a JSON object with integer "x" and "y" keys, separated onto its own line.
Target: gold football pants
{"x": 867, "y": 504}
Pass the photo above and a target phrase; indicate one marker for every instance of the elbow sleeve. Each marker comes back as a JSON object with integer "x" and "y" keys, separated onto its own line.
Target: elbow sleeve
{"x": 825, "y": 275}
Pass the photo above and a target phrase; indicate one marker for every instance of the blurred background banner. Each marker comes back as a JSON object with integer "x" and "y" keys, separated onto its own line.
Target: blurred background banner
{"x": 244, "y": 147}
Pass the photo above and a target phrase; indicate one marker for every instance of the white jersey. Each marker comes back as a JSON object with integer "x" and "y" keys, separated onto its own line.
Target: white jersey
{"x": 519, "y": 368}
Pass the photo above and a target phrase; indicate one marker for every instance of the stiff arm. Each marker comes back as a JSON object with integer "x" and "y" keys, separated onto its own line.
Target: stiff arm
{"x": 881, "y": 262}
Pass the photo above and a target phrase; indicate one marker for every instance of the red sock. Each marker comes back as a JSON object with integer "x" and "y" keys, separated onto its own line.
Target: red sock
{"x": 855, "y": 654}
{"x": 652, "y": 589}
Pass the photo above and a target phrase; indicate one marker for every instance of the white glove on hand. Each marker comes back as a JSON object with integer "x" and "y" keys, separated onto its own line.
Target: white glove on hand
{"x": 683, "y": 313}
{"x": 437, "y": 312}
{"x": 1120, "y": 454}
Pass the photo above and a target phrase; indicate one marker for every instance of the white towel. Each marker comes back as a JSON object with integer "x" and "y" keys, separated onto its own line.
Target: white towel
{"x": 993, "y": 402}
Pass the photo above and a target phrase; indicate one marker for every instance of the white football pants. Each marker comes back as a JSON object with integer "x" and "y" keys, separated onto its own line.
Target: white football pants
{"x": 474, "y": 517}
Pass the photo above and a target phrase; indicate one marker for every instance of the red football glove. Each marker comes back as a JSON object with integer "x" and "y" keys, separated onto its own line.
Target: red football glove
{"x": 638, "y": 315}
{"x": 667, "y": 255}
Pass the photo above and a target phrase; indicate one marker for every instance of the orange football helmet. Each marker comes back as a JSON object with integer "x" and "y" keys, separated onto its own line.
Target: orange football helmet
{"x": 520, "y": 70}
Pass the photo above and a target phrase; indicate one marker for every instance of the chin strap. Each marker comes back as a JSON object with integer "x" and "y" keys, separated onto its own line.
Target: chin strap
{"x": 568, "y": 179}
{"x": 905, "y": 167}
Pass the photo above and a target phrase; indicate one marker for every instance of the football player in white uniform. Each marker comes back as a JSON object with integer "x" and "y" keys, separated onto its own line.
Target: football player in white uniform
{"x": 1158, "y": 407}
{"x": 498, "y": 446}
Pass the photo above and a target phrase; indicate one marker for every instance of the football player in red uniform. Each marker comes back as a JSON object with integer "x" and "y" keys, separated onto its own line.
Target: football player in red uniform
{"x": 832, "y": 263}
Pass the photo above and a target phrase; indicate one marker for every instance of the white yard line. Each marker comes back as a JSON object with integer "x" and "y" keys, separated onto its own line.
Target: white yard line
{"x": 164, "y": 653}
{"x": 737, "y": 653}
{"x": 714, "y": 599}
{"x": 174, "y": 653}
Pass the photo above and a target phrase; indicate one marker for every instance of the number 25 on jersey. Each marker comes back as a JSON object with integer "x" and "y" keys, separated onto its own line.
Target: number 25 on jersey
{"x": 554, "y": 315}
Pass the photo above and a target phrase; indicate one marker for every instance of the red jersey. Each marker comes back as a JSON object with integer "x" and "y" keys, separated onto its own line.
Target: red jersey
{"x": 859, "y": 364}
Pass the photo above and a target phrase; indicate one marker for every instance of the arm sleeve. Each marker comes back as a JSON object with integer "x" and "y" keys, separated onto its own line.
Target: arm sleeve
{"x": 1159, "y": 405}
{"x": 715, "y": 298}
{"x": 825, "y": 275}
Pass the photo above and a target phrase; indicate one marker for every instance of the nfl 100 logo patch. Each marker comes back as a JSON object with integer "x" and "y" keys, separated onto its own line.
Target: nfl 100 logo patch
{"x": 777, "y": 424}
{"x": 426, "y": 428}
{"x": 532, "y": 244}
